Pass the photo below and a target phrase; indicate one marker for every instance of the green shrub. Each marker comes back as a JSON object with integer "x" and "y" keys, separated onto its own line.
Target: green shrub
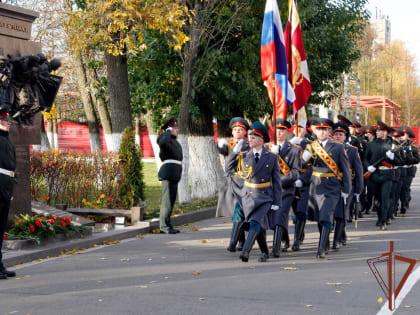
{"x": 132, "y": 189}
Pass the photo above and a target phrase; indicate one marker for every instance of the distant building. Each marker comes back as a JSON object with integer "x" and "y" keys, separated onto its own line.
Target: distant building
{"x": 382, "y": 27}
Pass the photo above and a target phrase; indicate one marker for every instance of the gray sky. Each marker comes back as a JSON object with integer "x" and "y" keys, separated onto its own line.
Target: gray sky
{"x": 405, "y": 23}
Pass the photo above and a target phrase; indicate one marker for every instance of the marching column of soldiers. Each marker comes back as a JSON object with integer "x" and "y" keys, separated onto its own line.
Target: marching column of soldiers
{"x": 328, "y": 173}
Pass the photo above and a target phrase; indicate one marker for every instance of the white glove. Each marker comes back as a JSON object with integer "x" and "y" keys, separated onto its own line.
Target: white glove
{"x": 371, "y": 168}
{"x": 298, "y": 183}
{"x": 168, "y": 129}
{"x": 306, "y": 156}
{"x": 344, "y": 196}
{"x": 275, "y": 149}
{"x": 296, "y": 140}
{"x": 357, "y": 197}
{"x": 275, "y": 207}
{"x": 222, "y": 142}
{"x": 390, "y": 154}
{"x": 238, "y": 146}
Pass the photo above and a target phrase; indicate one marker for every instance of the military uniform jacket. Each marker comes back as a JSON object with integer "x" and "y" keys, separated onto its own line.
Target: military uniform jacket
{"x": 306, "y": 170}
{"x": 376, "y": 150}
{"x": 356, "y": 168}
{"x": 290, "y": 154}
{"x": 262, "y": 184}
{"x": 170, "y": 149}
{"x": 230, "y": 182}
{"x": 354, "y": 141}
{"x": 412, "y": 157}
{"x": 7, "y": 162}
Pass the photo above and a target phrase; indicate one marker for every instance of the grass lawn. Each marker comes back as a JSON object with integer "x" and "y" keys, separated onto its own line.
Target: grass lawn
{"x": 153, "y": 195}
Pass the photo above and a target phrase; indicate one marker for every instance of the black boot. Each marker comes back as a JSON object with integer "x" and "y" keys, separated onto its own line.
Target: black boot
{"x": 343, "y": 239}
{"x": 262, "y": 243}
{"x": 276, "y": 242}
{"x": 338, "y": 231}
{"x": 285, "y": 239}
{"x": 249, "y": 242}
{"x": 236, "y": 231}
{"x": 4, "y": 273}
{"x": 323, "y": 242}
{"x": 302, "y": 237}
{"x": 241, "y": 240}
{"x": 300, "y": 225}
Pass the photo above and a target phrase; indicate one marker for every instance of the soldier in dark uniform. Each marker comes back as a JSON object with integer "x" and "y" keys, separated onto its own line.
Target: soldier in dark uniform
{"x": 290, "y": 166}
{"x": 413, "y": 159}
{"x": 7, "y": 180}
{"x": 399, "y": 172}
{"x": 227, "y": 205}
{"x": 262, "y": 186}
{"x": 370, "y": 135}
{"x": 378, "y": 160}
{"x": 169, "y": 173}
{"x": 342, "y": 211}
{"x": 351, "y": 138}
{"x": 300, "y": 203}
{"x": 330, "y": 178}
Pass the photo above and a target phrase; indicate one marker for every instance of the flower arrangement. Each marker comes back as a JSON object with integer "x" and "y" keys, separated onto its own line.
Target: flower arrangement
{"x": 37, "y": 228}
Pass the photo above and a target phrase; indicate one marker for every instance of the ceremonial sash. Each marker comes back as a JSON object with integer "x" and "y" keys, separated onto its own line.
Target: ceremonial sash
{"x": 324, "y": 156}
{"x": 284, "y": 168}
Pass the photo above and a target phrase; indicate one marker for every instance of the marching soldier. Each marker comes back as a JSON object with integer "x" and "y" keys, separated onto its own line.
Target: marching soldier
{"x": 227, "y": 205}
{"x": 262, "y": 186}
{"x": 300, "y": 203}
{"x": 370, "y": 135}
{"x": 351, "y": 138}
{"x": 290, "y": 166}
{"x": 412, "y": 160}
{"x": 169, "y": 173}
{"x": 342, "y": 211}
{"x": 399, "y": 172}
{"x": 330, "y": 178}
{"x": 7, "y": 181}
{"x": 378, "y": 160}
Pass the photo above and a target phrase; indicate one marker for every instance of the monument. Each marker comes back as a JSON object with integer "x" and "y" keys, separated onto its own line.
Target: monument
{"x": 15, "y": 33}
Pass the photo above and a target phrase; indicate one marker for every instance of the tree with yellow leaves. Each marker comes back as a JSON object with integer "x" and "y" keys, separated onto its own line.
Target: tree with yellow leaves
{"x": 116, "y": 28}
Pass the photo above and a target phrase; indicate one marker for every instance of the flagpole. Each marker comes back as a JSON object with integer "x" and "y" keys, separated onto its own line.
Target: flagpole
{"x": 274, "y": 108}
{"x": 296, "y": 124}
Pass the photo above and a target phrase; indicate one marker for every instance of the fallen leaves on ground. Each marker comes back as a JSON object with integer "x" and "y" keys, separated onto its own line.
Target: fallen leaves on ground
{"x": 202, "y": 299}
{"x": 380, "y": 300}
{"x": 125, "y": 259}
{"x": 140, "y": 236}
{"x": 337, "y": 283}
{"x": 338, "y": 291}
{"x": 99, "y": 281}
{"x": 27, "y": 276}
{"x": 74, "y": 251}
{"x": 111, "y": 242}
{"x": 196, "y": 273}
{"x": 196, "y": 229}
{"x": 142, "y": 286}
{"x": 203, "y": 241}
{"x": 156, "y": 231}
{"x": 308, "y": 305}
{"x": 408, "y": 306}
{"x": 290, "y": 268}
{"x": 103, "y": 258}
{"x": 181, "y": 248}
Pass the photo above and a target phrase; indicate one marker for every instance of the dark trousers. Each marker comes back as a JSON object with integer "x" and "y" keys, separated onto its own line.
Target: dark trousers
{"x": 169, "y": 191}
{"x": 383, "y": 185}
{"x": 405, "y": 191}
{"x": 370, "y": 191}
{"x": 4, "y": 213}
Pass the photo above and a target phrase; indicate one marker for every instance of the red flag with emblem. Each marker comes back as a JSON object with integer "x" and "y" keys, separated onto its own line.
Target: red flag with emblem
{"x": 298, "y": 72}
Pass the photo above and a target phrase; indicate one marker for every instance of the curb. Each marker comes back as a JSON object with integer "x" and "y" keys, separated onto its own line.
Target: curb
{"x": 11, "y": 258}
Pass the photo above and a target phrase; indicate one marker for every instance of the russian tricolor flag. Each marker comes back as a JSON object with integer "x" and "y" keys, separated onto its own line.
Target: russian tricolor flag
{"x": 274, "y": 61}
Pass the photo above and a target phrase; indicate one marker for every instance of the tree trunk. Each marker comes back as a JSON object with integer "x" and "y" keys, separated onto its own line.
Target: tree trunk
{"x": 190, "y": 55}
{"x": 137, "y": 130}
{"x": 104, "y": 117}
{"x": 82, "y": 84}
{"x": 50, "y": 134}
{"x": 45, "y": 144}
{"x": 119, "y": 98}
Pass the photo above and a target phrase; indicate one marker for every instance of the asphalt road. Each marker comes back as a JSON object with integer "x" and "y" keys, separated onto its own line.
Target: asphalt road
{"x": 192, "y": 273}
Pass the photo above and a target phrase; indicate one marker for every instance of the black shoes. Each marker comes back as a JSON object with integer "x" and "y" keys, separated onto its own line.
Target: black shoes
{"x": 249, "y": 242}
{"x": 323, "y": 240}
{"x": 170, "y": 231}
{"x": 275, "y": 252}
{"x": 299, "y": 227}
{"x": 4, "y": 274}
